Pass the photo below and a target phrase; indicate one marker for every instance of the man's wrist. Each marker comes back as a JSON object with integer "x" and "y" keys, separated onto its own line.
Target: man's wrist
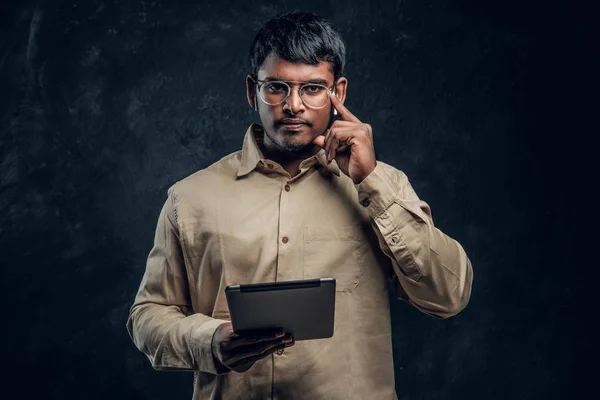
{"x": 362, "y": 178}
{"x": 219, "y": 366}
{"x": 375, "y": 192}
{"x": 201, "y": 343}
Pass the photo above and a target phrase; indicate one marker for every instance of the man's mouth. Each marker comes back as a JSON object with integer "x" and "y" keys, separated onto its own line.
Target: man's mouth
{"x": 293, "y": 124}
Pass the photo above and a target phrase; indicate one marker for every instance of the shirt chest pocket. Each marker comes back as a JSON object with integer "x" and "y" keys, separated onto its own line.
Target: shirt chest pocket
{"x": 335, "y": 252}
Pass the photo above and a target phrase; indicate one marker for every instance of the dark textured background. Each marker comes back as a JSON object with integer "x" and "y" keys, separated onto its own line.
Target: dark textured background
{"x": 105, "y": 104}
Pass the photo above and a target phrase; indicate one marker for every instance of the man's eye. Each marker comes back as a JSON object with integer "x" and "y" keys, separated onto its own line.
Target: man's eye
{"x": 313, "y": 89}
{"x": 277, "y": 87}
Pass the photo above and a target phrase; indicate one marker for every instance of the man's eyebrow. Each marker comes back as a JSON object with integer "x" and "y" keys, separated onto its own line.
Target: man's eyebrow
{"x": 318, "y": 81}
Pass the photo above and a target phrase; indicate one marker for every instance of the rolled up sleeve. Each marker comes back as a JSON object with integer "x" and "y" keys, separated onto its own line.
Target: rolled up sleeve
{"x": 432, "y": 270}
{"x": 162, "y": 322}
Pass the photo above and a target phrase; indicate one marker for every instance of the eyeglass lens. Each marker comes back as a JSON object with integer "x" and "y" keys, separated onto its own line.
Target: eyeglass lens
{"x": 275, "y": 92}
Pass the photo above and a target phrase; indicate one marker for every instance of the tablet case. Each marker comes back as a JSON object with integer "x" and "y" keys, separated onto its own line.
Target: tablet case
{"x": 304, "y": 308}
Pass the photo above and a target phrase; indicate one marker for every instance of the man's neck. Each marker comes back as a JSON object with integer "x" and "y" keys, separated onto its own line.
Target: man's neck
{"x": 289, "y": 161}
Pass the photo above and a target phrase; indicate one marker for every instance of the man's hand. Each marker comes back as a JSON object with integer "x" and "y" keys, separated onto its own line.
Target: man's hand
{"x": 239, "y": 352}
{"x": 350, "y": 143}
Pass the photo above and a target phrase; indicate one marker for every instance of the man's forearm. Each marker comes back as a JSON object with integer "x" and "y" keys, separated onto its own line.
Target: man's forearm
{"x": 171, "y": 340}
{"x": 440, "y": 277}
{"x": 432, "y": 269}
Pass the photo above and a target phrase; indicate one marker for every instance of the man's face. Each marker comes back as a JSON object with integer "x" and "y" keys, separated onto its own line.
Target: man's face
{"x": 279, "y": 134}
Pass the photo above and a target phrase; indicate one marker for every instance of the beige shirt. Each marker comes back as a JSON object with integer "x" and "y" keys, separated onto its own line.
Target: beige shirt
{"x": 245, "y": 220}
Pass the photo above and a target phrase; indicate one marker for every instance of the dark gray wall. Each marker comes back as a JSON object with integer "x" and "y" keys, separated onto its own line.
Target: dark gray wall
{"x": 105, "y": 104}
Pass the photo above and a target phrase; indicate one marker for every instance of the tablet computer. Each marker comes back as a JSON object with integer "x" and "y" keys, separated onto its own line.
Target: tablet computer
{"x": 304, "y": 308}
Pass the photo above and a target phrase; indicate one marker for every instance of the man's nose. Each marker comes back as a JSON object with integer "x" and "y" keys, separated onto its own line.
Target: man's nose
{"x": 294, "y": 101}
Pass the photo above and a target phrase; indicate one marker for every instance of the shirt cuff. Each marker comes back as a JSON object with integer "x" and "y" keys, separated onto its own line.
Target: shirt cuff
{"x": 202, "y": 347}
{"x": 376, "y": 192}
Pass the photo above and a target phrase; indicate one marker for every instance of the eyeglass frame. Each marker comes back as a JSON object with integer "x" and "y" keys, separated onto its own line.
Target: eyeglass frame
{"x": 287, "y": 83}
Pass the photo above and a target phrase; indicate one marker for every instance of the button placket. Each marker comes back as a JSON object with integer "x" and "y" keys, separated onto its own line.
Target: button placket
{"x": 285, "y": 239}
{"x": 285, "y": 231}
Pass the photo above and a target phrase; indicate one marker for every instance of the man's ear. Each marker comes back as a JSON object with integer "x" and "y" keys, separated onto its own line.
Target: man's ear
{"x": 340, "y": 89}
{"x": 251, "y": 92}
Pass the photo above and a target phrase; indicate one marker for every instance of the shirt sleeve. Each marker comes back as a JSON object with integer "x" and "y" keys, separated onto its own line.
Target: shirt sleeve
{"x": 432, "y": 270}
{"x": 162, "y": 322}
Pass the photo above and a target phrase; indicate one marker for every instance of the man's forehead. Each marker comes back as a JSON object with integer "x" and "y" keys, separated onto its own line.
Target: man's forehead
{"x": 276, "y": 67}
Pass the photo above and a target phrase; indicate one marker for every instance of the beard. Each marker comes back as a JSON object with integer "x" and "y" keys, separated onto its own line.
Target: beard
{"x": 284, "y": 144}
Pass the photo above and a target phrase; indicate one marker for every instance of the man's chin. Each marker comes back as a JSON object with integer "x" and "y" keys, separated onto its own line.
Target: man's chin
{"x": 296, "y": 148}
{"x": 299, "y": 146}
{"x": 291, "y": 138}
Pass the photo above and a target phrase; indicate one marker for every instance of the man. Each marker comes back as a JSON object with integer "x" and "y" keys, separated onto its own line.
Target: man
{"x": 299, "y": 201}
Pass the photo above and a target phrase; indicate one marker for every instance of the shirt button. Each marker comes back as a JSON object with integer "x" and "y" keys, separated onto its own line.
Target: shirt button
{"x": 366, "y": 202}
{"x": 287, "y": 188}
{"x": 284, "y": 239}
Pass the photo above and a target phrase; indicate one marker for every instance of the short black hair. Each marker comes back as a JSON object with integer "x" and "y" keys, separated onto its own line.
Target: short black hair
{"x": 299, "y": 37}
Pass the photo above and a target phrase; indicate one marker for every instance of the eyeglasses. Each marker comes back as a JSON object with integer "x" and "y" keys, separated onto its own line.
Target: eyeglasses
{"x": 313, "y": 95}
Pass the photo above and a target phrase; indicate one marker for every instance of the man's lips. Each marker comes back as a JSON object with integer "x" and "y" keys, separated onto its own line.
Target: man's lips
{"x": 292, "y": 124}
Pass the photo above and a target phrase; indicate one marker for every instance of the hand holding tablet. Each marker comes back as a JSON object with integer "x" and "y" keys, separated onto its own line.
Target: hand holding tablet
{"x": 268, "y": 317}
{"x": 239, "y": 351}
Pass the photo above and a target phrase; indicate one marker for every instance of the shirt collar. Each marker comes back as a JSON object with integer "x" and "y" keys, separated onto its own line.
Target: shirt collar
{"x": 251, "y": 154}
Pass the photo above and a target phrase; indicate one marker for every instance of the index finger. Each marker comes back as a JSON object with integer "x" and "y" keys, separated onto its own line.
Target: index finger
{"x": 344, "y": 113}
